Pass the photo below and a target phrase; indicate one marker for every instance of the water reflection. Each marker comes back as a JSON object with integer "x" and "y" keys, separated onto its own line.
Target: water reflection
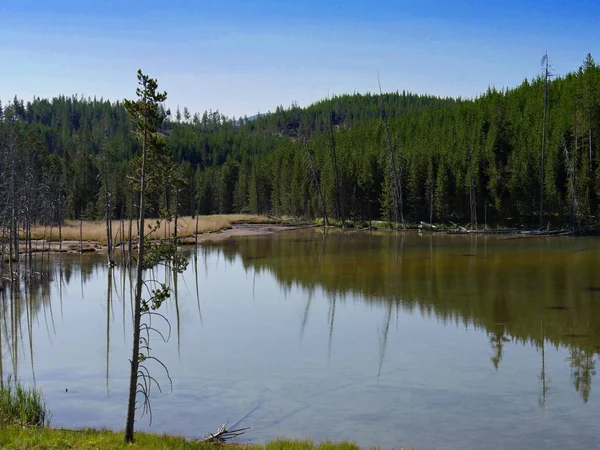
{"x": 301, "y": 325}
{"x": 524, "y": 290}
{"x": 109, "y": 306}
{"x": 20, "y": 304}
{"x": 583, "y": 367}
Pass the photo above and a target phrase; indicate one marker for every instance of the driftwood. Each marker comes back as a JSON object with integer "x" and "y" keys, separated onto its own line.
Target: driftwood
{"x": 223, "y": 435}
{"x": 427, "y": 226}
{"x": 459, "y": 228}
{"x": 515, "y": 231}
{"x": 356, "y": 230}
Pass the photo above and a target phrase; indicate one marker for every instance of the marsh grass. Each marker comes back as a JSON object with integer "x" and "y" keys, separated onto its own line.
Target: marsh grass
{"x": 48, "y": 438}
{"x": 21, "y": 406}
{"x": 95, "y": 230}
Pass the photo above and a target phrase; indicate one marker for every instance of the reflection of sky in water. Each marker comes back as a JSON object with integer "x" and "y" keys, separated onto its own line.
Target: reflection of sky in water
{"x": 248, "y": 351}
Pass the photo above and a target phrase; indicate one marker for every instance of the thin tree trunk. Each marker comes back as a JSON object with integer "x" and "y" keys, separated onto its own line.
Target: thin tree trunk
{"x": 395, "y": 179}
{"x": 107, "y": 215}
{"x": 130, "y": 248}
{"x": 59, "y": 224}
{"x": 256, "y": 189}
{"x": 14, "y": 219}
{"x": 338, "y": 187}
{"x": 108, "y": 308}
{"x": 28, "y": 249}
{"x": 590, "y": 141}
{"x": 133, "y": 377}
{"x": 197, "y": 216}
{"x": 50, "y": 238}
{"x": 80, "y": 234}
{"x": 472, "y": 192}
{"x": 431, "y": 193}
{"x": 176, "y": 215}
{"x": 167, "y": 207}
{"x": 122, "y": 240}
{"x": 313, "y": 171}
{"x": 543, "y": 168}
{"x": 2, "y": 267}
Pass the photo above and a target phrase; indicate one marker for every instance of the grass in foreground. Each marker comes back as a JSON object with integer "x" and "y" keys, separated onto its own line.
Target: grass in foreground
{"x": 95, "y": 230}
{"x": 16, "y": 437}
{"x": 21, "y": 406}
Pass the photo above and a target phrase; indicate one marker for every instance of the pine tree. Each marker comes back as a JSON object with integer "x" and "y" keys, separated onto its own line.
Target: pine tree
{"x": 144, "y": 114}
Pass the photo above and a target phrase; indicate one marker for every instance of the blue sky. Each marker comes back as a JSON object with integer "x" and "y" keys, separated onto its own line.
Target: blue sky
{"x": 244, "y": 56}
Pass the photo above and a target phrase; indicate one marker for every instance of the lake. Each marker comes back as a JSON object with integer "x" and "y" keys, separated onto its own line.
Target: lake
{"x": 427, "y": 341}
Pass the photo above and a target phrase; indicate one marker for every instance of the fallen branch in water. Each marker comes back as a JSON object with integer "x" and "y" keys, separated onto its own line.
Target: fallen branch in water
{"x": 223, "y": 434}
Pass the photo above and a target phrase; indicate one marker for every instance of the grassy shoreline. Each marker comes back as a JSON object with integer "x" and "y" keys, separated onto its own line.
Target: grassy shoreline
{"x": 95, "y": 230}
{"x": 92, "y": 233}
{"x": 18, "y": 437}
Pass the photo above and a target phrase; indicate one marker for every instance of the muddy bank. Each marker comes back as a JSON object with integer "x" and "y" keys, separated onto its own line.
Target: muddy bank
{"x": 239, "y": 230}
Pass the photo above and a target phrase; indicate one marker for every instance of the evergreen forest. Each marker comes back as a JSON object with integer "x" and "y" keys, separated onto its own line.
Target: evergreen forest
{"x": 526, "y": 155}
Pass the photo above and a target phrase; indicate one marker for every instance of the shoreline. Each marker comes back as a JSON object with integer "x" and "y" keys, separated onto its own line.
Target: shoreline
{"x": 242, "y": 229}
{"x": 43, "y": 246}
{"x": 32, "y": 437}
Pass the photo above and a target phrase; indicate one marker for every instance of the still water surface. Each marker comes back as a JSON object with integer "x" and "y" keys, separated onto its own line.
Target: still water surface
{"x": 432, "y": 341}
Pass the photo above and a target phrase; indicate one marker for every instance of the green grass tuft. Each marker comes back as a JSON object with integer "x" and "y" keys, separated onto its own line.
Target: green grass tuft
{"x": 21, "y": 406}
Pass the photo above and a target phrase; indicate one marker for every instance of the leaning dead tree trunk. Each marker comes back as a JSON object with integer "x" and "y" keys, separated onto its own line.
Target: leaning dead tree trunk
{"x": 397, "y": 206}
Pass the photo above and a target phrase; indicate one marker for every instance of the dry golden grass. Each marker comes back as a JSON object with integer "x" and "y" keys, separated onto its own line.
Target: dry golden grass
{"x": 95, "y": 230}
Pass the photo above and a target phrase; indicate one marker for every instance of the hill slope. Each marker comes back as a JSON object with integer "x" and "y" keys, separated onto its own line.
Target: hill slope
{"x": 477, "y": 160}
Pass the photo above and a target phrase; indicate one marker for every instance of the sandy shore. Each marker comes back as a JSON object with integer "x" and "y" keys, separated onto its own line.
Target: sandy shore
{"x": 243, "y": 230}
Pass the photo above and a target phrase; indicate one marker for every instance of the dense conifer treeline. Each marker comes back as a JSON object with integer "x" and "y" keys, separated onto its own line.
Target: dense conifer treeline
{"x": 455, "y": 160}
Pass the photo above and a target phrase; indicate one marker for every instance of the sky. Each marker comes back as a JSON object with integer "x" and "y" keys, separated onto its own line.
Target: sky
{"x": 247, "y": 56}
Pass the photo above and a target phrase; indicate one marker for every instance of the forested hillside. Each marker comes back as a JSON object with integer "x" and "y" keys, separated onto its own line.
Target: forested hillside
{"x": 443, "y": 159}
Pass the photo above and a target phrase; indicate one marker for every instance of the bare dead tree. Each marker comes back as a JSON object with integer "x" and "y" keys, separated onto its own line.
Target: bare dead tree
{"x": 471, "y": 161}
{"x": 570, "y": 165}
{"x": 338, "y": 191}
{"x": 315, "y": 178}
{"x": 547, "y": 74}
{"x": 395, "y": 173}
{"x": 14, "y": 229}
{"x": 108, "y": 211}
